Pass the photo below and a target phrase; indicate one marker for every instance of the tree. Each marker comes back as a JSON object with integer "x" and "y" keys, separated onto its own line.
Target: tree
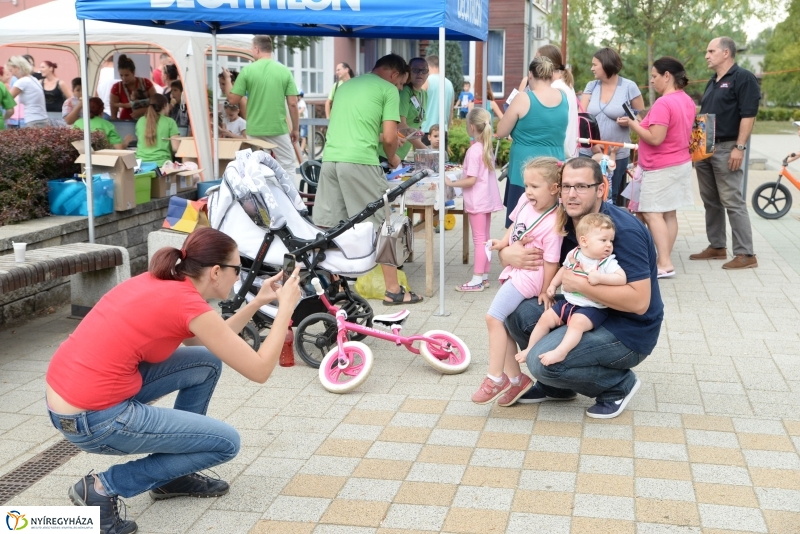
{"x": 581, "y": 20}
{"x": 783, "y": 53}
{"x": 643, "y": 30}
{"x": 294, "y": 42}
{"x": 759, "y": 44}
{"x": 454, "y": 60}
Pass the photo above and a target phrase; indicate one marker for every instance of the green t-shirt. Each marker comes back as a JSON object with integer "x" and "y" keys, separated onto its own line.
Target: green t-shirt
{"x": 363, "y": 103}
{"x": 6, "y": 103}
{"x": 412, "y": 107}
{"x": 162, "y": 150}
{"x": 99, "y": 123}
{"x": 266, "y": 83}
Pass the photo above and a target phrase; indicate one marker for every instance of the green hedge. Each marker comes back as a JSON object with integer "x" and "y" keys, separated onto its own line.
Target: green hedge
{"x": 459, "y": 143}
{"x": 29, "y": 157}
{"x": 778, "y": 114}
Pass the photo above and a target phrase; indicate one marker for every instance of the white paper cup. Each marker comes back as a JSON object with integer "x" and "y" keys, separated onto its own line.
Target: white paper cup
{"x": 19, "y": 252}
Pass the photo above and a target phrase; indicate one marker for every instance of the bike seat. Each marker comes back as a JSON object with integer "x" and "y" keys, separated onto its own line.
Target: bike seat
{"x": 392, "y": 319}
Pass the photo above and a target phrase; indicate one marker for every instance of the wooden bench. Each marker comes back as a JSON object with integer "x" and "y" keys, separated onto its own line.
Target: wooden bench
{"x": 94, "y": 269}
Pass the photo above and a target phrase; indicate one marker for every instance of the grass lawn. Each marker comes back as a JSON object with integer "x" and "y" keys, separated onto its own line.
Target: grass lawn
{"x": 774, "y": 127}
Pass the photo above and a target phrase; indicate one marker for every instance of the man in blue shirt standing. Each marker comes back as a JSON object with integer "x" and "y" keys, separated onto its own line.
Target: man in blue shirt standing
{"x": 600, "y": 366}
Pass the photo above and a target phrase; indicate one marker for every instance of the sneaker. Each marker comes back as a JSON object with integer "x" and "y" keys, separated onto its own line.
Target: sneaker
{"x": 742, "y": 261}
{"x": 193, "y": 485}
{"x": 514, "y": 392}
{"x": 489, "y": 391}
{"x": 466, "y": 288}
{"x": 536, "y": 395}
{"x": 84, "y": 494}
{"x": 486, "y": 284}
{"x": 611, "y": 409}
{"x": 710, "y": 254}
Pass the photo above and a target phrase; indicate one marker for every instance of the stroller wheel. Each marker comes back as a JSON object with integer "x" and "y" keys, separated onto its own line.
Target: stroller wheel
{"x": 358, "y": 311}
{"x": 249, "y": 333}
{"x": 315, "y": 337}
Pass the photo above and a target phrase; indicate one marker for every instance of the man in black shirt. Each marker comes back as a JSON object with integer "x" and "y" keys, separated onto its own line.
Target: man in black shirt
{"x": 732, "y": 94}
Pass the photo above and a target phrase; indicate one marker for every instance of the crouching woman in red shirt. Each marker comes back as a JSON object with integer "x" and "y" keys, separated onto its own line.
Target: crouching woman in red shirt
{"x": 126, "y": 352}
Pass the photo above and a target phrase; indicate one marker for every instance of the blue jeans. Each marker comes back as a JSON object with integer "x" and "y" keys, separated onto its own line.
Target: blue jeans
{"x": 180, "y": 441}
{"x": 599, "y": 367}
{"x": 617, "y": 181}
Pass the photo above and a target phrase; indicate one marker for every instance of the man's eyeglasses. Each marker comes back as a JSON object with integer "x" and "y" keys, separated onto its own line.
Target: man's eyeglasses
{"x": 579, "y": 188}
{"x": 419, "y": 71}
{"x": 236, "y": 268}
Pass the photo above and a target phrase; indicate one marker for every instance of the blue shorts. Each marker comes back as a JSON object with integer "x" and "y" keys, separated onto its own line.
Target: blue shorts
{"x": 565, "y": 310}
{"x": 304, "y": 130}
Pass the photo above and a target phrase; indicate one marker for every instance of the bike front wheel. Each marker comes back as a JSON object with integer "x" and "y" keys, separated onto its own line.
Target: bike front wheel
{"x": 337, "y": 379}
{"x": 449, "y": 355}
{"x": 772, "y": 200}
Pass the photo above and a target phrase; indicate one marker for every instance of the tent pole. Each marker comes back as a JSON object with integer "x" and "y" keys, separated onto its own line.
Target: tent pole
{"x": 215, "y": 104}
{"x": 87, "y": 130}
{"x": 444, "y": 107}
{"x": 485, "y": 81}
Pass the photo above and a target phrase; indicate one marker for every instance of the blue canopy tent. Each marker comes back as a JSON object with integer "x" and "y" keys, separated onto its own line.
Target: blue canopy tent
{"x": 433, "y": 19}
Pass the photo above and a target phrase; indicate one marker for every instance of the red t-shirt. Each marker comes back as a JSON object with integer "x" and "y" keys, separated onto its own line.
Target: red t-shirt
{"x": 141, "y": 320}
{"x": 119, "y": 90}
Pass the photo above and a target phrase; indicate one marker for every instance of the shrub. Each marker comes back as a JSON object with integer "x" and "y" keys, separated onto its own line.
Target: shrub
{"x": 778, "y": 114}
{"x": 29, "y": 157}
{"x": 459, "y": 143}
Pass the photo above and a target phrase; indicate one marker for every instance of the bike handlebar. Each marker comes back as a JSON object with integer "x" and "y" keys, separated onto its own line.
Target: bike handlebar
{"x": 632, "y": 146}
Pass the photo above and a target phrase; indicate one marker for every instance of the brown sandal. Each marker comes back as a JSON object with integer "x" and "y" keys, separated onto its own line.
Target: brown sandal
{"x": 397, "y": 298}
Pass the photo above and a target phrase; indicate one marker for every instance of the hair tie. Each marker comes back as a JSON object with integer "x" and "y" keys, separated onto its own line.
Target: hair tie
{"x": 183, "y": 254}
{"x": 559, "y": 164}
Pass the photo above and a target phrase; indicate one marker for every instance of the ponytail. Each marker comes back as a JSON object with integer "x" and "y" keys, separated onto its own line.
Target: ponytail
{"x": 553, "y": 53}
{"x": 480, "y": 119}
{"x": 204, "y": 247}
{"x": 157, "y": 103}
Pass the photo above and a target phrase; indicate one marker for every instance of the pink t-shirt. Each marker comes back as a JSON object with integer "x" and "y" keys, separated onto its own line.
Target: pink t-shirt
{"x": 676, "y": 111}
{"x": 484, "y": 196}
{"x": 545, "y": 237}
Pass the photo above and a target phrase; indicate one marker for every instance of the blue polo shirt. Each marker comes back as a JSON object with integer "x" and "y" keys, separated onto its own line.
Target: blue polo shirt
{"x": 636, "y": 254}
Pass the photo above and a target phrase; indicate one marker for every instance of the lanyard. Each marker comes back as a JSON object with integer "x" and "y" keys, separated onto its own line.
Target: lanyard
{"x": 537, "y": 221}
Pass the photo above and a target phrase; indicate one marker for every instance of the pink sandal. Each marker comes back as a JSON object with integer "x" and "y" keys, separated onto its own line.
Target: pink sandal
{"x": 466, "y": 288}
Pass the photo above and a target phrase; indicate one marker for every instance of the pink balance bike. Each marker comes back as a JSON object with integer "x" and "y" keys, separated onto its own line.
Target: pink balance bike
{"x": 347, "y": 366}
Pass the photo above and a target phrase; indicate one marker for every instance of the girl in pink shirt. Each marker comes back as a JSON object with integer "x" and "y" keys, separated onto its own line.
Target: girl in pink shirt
{"x": 481, "y": 194}
{"x": 537, "y": 221}
{"x": 664, "y": 157}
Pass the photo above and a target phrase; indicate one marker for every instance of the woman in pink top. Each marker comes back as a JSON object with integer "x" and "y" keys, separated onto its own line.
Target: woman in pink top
{"x": 664, "y": 157}
{"x": 481, "y": 193}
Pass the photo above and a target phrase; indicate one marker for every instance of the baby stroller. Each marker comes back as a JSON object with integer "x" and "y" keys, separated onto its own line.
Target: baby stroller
{"x": 257, "y": 203}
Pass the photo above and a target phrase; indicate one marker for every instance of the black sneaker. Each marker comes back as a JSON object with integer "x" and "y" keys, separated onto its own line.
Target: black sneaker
{"x": 611, "y": 409}
{"x": 536, "y": 395}
{"x": 84, "y": 494}
{"x": 193, "y": 485}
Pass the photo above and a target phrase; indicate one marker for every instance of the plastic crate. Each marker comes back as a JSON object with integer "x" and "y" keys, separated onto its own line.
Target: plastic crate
{"x": 67, "y": 196}
{"x": 144, "y": 182}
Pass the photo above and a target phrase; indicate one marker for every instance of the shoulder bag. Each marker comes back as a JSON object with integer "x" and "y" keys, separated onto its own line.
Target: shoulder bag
{"x": 587, "y": 126}
{"x": 701, "y": 144}
{"x": 396, "y": 236}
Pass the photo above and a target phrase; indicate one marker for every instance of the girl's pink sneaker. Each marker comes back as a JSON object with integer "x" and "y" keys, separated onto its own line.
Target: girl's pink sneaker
{"x": 489, "y": 391}
{"x": 466, "y": 288}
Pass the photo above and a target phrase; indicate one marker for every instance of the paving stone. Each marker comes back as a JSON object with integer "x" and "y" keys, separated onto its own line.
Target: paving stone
{"x": 657, "y": 488}
{"x": 551, "y": 461}
{"x": 732, "y": 518}
{"x": 411, "y": 516}
{"x": 725, "y": 494}
{"x": 497, "y": 458}
{"x": 608, "y": 465}
{"x": 441, "y": 473}
{"x": 483, "y": 498}
{"x": 288, "y": 508}
{"x": 605, "y": 507}
{"x": 470, "y": 520}
{"x": 600, "y": 484}
{"x": 522, "y": 523}
{"x": 680, "y": 513}
{"x": 387, "y": 450}
{"x": 774, "y": 460}
{"x": 547, "y": 480}
{"x": 492, "y": 477}
{"x": 426, "y": 493}
{"x": 660, "y": 451}
{"x": 554, "y": 444}
{"x": 368, "y": 489}
{"x": 779, "y": 499}
{"x": 355, "y": 513}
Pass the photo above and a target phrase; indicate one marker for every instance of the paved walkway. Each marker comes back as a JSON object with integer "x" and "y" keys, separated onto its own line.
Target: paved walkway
{"x": 709, "y": 444}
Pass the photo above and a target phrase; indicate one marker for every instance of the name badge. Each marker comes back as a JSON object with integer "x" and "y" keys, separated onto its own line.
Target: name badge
{"x": 415, "y": 102}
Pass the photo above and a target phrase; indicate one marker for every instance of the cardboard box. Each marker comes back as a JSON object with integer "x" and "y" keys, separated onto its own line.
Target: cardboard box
{"x": 119, "y": 164}
{"x": 228, "y": 148}
{"x": 173, "y": 183}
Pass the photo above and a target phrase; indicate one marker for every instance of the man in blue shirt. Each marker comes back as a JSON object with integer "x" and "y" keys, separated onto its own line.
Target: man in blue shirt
{"x": 432, "y": 106}
{"x": 465, "y": 98}
{"x": 600, "y": 366}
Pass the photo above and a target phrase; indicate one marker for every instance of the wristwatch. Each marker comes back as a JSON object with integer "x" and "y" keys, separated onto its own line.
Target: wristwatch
{"x": 741, "y": 147}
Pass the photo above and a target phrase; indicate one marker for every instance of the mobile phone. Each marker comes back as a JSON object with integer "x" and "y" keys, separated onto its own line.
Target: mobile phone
{"x": 288, "y": 266}
{"x": 629, "y": 111}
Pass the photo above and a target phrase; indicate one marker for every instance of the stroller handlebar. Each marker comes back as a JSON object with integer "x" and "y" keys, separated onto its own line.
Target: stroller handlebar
{"x": 364, "y": 214}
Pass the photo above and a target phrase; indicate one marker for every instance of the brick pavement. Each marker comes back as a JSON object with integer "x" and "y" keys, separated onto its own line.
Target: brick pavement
{"x": 709, "y": 444}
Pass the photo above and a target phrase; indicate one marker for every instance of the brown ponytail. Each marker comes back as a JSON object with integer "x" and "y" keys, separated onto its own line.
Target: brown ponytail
{"x": 204, "y": 247}
{"x": 157, "y": 103}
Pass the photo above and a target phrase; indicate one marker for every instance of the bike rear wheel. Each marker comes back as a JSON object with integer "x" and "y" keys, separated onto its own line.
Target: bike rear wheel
{"x": 450, "y": 355}
{"x": 772, "y": 200}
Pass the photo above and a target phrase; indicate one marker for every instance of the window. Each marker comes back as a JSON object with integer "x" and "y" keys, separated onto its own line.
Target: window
{"x": 496, "y": 67}
{"x": 233, "y": 63}
{"x": 464, "y": 58}
{"x": 311, "y": 69}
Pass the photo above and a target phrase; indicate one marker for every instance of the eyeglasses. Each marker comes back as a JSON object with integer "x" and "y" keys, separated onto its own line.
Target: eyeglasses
{"x": 419, "y": 71}
{"x": 579, "y": 188}
{"x": 236, "y": 268}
